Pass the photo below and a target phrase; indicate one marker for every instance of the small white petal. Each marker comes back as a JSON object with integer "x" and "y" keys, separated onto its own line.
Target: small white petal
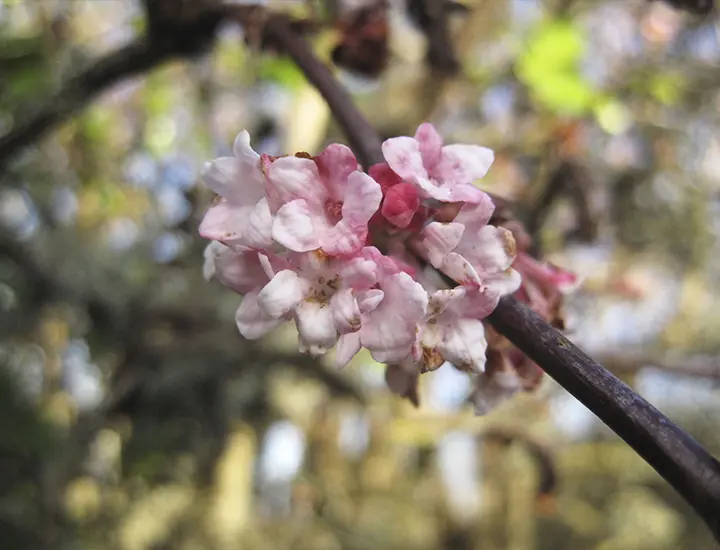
{"x": 439, "y": 239}
{"x": 293, "y": 227}
{"x": 345, "y": 311}
{"x": 347, "y": 347}
{"x": 316, "y": 327}
{"x": 282, "y": 294}
{"x": 252, "y": 321}
{"x": 369, "y": 299}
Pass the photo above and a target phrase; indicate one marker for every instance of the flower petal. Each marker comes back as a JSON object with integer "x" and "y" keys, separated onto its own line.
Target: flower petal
{"x": 251, "y": 181}
{"x": 223, "y": 222}
{"x": 369, "y": 299}
{"x": 384, "y": 175}
{"x": 400, "y": 204}
{"x": 293, "y": 227}
{"x": 344, "y": 238}
{"x": 282, "y": 294}
{"x": 467, "y": 193}
{"x": 492, "y": 389}
{"x": 221, "y": 175}
{"x": 362, "y": 198}
{"x": 347, "y": 347}
{"x": 476, "y": 215}
{"x": 359, "y": 273}
{"x": 212, "y": 251}
{"x": 445, "y": 298}
{"x": 460, "y": 270}
{"x": 258, "y": 233}
{"x": 316, "y": 327}
{"x": 430, "y": 189}
{"x": 404, "y": 158}
{"x": 252, "y": 321}
{"x": 390, "y": 330}
{"x": 240, "y": 271}
{"x": 402, "y": 379}
{"x": 463, "y": 164}
{"x": 464, "y": 345}
{"x": 503, "y": 283}
{"x": 439, "y": 239}
{"x": 345, "y": 311}
{"x": 291, "y": 178}
{"x": 431, "y": 145}
{"x": 490, "y": 250}
{"x": 335, "y": 164}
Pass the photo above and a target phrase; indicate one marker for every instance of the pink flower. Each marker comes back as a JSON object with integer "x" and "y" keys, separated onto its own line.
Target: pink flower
{"x": 444, "y": 173}
{"x": 240, "y": 270}
{"x": 323, "y": 202}
{"x": 241, "y": 216}
{"x": 292, "y": 234}
{"x": 452, "y": 330}
{"x": 498, "y": 383}
{"x": 325, "y": 296}
{"x": 401, "y": 200}
{"x": 473, "y": 253}
{"x": 402, "y": 379}
{"x": 388, "y": 331}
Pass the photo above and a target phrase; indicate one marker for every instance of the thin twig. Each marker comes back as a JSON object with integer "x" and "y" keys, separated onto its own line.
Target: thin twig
{"x": 675, "y": 455}
{"x": 364, "y": 140}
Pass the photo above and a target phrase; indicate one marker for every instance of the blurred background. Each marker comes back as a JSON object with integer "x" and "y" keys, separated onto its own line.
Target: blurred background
{"x": 134, "y": 417}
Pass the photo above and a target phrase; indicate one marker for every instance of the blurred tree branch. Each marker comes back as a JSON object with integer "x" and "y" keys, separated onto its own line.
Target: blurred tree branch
{"x": 175, "y": 29}
{"x": 698, "y": 366}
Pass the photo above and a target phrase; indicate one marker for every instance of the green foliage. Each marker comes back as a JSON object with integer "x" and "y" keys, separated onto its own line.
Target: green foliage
{"x": 282, "y": 71}
{"x": 549, "y": 66}
{"x": 667, "y": 88}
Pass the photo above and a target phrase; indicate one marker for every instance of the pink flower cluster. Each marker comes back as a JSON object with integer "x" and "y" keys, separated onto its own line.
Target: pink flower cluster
{"x": 346, "y": 254}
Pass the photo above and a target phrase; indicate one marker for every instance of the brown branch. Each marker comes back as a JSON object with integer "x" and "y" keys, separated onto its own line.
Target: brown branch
{"x": 364, "y": 140}
{"x": 673, "y": 453}
{"x": 432, "y": 18}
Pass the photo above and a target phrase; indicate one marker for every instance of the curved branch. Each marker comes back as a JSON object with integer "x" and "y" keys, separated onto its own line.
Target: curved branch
{"x": 673, "y": 453}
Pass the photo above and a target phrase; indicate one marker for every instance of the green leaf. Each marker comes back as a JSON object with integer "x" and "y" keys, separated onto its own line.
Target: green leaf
{"x": 282, "y": 71}
{"x": 549, "y": 67}
{"x": 666, "y": 88}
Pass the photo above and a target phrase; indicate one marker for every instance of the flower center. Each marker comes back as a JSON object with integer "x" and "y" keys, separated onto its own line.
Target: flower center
{"x": 323, "y": 289}
{"x": 333, "y": 210}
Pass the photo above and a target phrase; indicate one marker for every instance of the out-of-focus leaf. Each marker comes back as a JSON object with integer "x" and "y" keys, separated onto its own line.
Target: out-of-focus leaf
{"x": 102, "y": 200}
{"x": 157, "y": 96}
{"x": 667, "y": 88}
{"x": 549, "y": 66}
{"x": 282, "y": 71}
{"x": 613, "y": 116}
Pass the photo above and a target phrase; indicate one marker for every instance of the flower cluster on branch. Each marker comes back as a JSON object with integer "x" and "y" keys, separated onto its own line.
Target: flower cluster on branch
{"x": 346, "y": 254}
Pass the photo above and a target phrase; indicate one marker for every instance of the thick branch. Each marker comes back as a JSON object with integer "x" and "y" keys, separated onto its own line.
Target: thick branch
{"x": 676, "y": 456}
